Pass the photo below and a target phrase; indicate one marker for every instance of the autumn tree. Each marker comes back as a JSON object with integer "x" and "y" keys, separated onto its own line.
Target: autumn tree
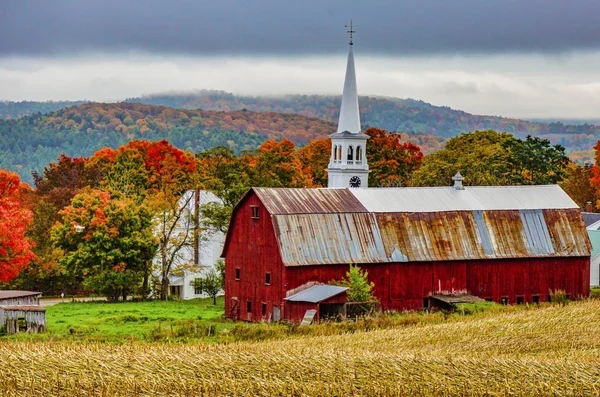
{"x": 15, "y": 248}
{"x": 578, "y": 184}
{"x": 314, "y": 159}
{"x": 107, "y": 241}
{"x": 274, "y": 164}
{"x": 391, "y": 162}
{"x": 160, "y": 177}
{"x": 54, "y": 188}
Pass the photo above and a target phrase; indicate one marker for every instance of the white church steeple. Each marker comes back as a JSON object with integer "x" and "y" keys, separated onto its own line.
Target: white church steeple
{"x": 348, "y": 163}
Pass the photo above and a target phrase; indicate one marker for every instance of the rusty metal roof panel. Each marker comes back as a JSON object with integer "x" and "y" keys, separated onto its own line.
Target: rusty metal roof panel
{"x": 279, "y": 201}
{"x": 312, "y": 239}
{"x": 568, "y": 233}
{"x": 472, "y": 198}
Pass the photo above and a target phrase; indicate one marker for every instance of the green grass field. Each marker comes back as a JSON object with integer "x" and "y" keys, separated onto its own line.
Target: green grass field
{"x": 133, "y": 321}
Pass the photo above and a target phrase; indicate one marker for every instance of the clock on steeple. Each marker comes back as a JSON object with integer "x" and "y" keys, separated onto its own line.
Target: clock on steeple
{"x": 355, "y": 181}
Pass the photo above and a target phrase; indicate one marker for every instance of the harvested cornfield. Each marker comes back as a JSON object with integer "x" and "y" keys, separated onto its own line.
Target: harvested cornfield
{"x": 553, "y": 350}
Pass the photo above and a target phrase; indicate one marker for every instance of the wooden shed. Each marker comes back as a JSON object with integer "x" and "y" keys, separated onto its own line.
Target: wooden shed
{"x": 509, "y": 244}
{"x": 20, "y": 312}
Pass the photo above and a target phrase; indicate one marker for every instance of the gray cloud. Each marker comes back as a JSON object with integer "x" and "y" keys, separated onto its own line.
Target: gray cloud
{"x": 284, "y": 27}
{"x": 513, "y": 85}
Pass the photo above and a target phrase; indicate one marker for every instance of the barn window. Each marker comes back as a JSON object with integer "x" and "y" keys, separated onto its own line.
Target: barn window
{"x": 535, "y": 299}
{"x": 264, "y": 309}
{"x": 425, "y": 302}
{"x": 254, "y": 211}
{"x": 249, "y": 307}
{"x": 197, "y": 286}
{"x": 488, "y": 299}
{"x": 268, "y": 279}
{"x": 520, "y": 300}
{"x": 237, "y": 273}
{"x": 504, "y": 300}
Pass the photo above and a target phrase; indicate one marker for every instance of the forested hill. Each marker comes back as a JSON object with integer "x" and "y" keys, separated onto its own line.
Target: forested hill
{"x": 32, "y": 142}
{"x": 392, "y": 114}
{"x": 15, "y": 110}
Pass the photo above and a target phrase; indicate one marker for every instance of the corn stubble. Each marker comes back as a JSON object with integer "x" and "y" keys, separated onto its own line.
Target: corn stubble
{"x": 553, "y": 351}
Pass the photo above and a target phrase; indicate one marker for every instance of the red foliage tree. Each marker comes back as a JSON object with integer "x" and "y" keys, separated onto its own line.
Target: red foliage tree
{"x": 15, "y": 248}
{"x": 391, "y": 161}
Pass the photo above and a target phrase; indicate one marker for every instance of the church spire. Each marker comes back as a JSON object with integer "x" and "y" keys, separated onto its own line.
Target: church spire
{"x": 348, "y": 162}
{"x": 349, "y": 115}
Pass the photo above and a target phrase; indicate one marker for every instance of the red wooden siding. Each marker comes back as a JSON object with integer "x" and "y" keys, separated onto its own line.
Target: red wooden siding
{"x": 252, "y": 249}
{"x": 400, "y": 286}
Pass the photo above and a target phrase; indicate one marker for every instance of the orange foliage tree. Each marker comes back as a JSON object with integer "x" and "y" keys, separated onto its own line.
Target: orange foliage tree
{"x": 391, "y": 162}
{"x": 314, "y": 158}
{"x": 274, "y": 164}
{"x": 15, "y": 249}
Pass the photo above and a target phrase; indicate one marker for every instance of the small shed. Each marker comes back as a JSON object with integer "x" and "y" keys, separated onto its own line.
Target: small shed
{"x": 20, "y": 312}
{"x": 29, "y": 319}
{"x": 326, "y": 300}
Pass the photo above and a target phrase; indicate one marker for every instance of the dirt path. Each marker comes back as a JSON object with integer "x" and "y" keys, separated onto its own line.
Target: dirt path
{"x": 54, "y": 301}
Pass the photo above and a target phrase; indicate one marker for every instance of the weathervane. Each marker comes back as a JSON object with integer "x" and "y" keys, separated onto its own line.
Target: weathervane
{"x": 351, "y": 31}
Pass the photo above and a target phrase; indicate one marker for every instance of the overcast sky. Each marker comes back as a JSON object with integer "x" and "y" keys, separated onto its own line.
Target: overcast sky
{"x": 521, "y": 58}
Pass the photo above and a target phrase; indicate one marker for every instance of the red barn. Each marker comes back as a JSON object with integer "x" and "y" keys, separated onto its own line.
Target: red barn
{"x": 506, "y": 244}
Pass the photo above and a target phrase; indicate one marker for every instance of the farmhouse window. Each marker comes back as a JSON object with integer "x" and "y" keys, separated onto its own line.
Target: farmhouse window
{"x": 197, "y": 286}
{"x": 249, "y": 307}
{"x": 237, "y": 273}
{"x": 268, "y": 279}
{"x": 264, "y": 309}
{"x": 254, "y": 211}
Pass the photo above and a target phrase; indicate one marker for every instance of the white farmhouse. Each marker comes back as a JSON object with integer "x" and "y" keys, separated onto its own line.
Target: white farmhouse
{"x": 199, "y": 253}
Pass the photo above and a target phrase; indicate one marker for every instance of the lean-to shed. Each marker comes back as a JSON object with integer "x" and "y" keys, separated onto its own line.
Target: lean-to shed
{"x": 507, "y": 244}
{"x": 20, "y": 312}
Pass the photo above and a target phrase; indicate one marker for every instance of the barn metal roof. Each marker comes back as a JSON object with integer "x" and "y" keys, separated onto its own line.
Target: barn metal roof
{"x": 308, "y": 201}
{"x": 312, "y": 239}
{"x": 17, "y": 294}
{"x": 378, "y": 225}
{"x": 316, "y": 293}
{"x": 471, "y": 198}
{"x": 590, "y": 218}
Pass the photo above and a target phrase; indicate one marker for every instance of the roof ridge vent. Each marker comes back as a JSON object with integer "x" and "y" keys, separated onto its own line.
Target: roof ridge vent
{"x": 458, "y": 181}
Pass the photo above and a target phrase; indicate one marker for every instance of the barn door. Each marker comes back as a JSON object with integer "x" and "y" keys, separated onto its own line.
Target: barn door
{"x": 276, "y": 314}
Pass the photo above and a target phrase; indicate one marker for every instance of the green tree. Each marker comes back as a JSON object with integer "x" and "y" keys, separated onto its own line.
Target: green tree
{"x": 224, "y": 174}
{"x": 211, "y": 284}
{"x": 359, "y": 287}
{"x": 534, "y": 161}
{"x": 480, "y": 157}
{"x": 107, "y": 241}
